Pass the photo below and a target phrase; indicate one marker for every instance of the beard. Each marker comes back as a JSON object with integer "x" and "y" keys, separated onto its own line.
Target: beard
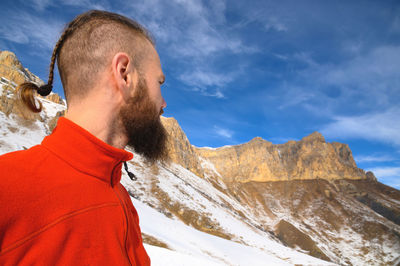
{"x": 142, "y": 124}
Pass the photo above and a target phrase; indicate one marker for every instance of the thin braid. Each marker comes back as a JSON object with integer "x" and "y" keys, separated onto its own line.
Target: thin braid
{"x": 26, "y": 90}
{"x": 46, "y": 89}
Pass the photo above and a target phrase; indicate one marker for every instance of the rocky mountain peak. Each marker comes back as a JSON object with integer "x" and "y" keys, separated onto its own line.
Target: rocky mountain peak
{"x": 10, "y": 59}
{"x": 258, "y": 141}
{"x": 307, "y": 194}
{"x": 260, "y": 160}
{"x": 12, "y": 70}
{"x": 314, "y": 137}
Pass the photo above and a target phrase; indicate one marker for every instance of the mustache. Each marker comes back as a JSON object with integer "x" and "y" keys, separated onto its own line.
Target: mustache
{"x": 161, "y": 111}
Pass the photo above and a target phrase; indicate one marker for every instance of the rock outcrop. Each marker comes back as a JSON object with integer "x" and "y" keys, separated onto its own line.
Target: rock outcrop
{"x": 260, "y": 160}
{"x": 12, "y": 70}
{"x": 12, "y": 73}
{"x": 307, "y": 194}
{"x": 179, "y": 148}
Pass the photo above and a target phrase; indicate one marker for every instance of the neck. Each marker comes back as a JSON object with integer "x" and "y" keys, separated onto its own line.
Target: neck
{"x": 100, "y": 121}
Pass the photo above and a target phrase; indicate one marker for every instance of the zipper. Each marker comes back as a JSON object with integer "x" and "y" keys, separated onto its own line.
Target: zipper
{"x": 125, "y": 212}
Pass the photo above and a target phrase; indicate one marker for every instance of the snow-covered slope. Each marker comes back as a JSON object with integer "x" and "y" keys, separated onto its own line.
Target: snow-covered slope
{"x": 232, "y": 240}
{"x": 247, "y": 245}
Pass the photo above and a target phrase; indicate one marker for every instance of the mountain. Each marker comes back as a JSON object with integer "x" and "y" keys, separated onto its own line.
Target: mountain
{"x": 257, "y": 203}
{"x": 310, "y": 194}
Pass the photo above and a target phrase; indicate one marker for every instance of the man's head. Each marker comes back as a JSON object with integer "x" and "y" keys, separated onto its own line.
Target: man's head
{"x": 89, "y": 43}
{"x": 139, "y": 116}
{"x": 100, "y": 47}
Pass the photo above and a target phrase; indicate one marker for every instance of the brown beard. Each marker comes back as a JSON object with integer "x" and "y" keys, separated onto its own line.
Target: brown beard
{"x": 142, "y": 124}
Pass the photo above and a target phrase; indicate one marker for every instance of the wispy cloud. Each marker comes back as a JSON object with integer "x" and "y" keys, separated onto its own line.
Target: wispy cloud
{"x": 380, "y": 126}
{"x": 356, "y": 98}
{"x": 374, "y": 158}
{"x": 208, "y": 83}
{"x": 39, "y": 5}
{"x": 195, "y": 35}
{"x": 223, "y": 132}
{"x": 395, "y": 27}
{"x": 388, "y": 175}
{"x": 386, "y": 171}
{"x": 18, "y": 28}
{"x": 264, "y": 15}
{"x": 87, "y": 4}
{"x": 294, "y": 96}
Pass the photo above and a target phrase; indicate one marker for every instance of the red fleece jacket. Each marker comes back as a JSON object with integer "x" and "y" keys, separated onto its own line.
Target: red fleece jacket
{"x": 61, "y": 203}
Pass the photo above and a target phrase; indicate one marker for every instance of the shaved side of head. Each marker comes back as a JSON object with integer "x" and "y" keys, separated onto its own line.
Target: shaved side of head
{"x": 85, "y": 49}
{"x": 90, "y": 49}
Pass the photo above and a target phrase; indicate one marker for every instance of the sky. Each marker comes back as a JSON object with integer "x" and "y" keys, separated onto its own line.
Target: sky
{"x": 235, "y": 69}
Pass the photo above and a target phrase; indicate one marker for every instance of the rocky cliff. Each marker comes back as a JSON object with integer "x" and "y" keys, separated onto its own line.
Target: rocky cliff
{"x": 260, "y": 160}
{"x": 179, "y": 148}
{"x": 12, "y": 70}
{"x": 308, "y": 195}
{"x": 12, "y": 73}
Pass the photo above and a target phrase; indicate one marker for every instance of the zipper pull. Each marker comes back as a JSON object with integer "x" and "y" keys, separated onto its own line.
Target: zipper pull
{"x": 130, "y": 174}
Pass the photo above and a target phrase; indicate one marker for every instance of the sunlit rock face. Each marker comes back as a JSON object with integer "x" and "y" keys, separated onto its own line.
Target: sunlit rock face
{"x": 12, "y": 74}
{"x": 260, "y": 160}
{"x": 12, "y": 69}
{"x": 179, "y": 148}
{"x": 308, "y": 195}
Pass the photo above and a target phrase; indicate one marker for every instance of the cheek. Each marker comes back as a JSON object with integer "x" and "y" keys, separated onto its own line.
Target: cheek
{"x": 155, "y": 95}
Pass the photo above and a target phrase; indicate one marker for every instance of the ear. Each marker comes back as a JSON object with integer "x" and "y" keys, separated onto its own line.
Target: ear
{"x": 124, "y": 74}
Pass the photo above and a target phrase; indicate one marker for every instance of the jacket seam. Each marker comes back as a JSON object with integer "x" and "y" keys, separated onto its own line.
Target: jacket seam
{"x": 22, "y": 241}
{"x": 122, "y": 203}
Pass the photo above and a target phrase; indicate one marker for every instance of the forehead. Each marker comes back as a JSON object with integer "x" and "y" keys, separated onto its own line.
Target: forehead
{"x": 152, "y": 59}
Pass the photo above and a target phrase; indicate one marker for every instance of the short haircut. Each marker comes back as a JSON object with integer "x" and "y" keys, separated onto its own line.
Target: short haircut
{"x": 86, "y": 48}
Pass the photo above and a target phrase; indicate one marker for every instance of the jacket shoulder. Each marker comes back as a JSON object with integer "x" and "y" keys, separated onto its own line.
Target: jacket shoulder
{"x": 17, "y": 157}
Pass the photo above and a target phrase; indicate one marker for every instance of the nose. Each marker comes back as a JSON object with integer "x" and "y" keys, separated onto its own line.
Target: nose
{"x": 164, "y": 103}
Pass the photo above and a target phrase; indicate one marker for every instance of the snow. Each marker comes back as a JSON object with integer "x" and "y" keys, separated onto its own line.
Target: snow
{"x": 162, "y": 256}
{"x": 4, "y": 81}
{"x": 249, "y": 244}
{"x": 191, "y": 246}
{"x": 212, "y": 148}
{"x": 197, "y": 194}
{"x": 14, "y": 137}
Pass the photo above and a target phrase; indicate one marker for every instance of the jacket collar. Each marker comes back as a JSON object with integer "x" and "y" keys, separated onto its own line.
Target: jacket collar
{"x": 86, "y": 153}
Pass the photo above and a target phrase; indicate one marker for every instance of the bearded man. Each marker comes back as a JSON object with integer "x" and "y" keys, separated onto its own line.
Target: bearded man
{"x": 61, "y": 201}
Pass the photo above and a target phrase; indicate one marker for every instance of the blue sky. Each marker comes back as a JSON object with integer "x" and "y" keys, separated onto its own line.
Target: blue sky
{"x": 240, "y": 69}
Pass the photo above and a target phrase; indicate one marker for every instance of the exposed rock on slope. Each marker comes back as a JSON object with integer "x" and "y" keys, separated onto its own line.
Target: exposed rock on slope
{"x": 308, "y": 195}
{"x": 353, "y": 222}
{"x": 12, "y": 69}
{"x": 295, "y": 238}
{"x": 12, "y": 73}
{"x": 260, "y": 160}
{"x": 179, "y": 148}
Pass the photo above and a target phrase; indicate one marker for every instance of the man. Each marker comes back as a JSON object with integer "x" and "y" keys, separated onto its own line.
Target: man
{"x": 62, "y": 202}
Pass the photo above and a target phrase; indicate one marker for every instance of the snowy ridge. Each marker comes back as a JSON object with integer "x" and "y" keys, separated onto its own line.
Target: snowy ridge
{"x": 187, "y": 245}
{"x": 250, "y": 246}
